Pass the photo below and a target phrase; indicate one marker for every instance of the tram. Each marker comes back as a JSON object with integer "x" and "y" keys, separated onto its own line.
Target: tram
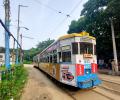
{"x": 71, "y": 60}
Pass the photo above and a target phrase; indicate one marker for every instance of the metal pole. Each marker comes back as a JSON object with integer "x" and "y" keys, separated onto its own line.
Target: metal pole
{"x": 114, "y": 46}
{"x": 13, "y": 54}
{"x": 7, "y": 36}
{"x": 21, "y": 40}
{"x": 18, "y": 29}
{"x": 21, "y": 55}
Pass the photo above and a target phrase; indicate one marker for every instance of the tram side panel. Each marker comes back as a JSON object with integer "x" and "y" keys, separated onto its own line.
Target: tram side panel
{"x": 68, "y": 74}
{"x": 51, "y": 69}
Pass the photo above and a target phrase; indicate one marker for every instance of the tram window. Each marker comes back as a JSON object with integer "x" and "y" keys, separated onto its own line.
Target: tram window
{"x": 55, "y": 58}
{"x": 74, "y": 48}
{"x": 94, "y": 49}
{"x": 86, "y": 48}
{"x": 51, "y": 59}
{"x": 48, "y": 59}
{"x": 60, "y": 59}
{"x": 41, "y": 59}
{"x": 66, "y": 56}
{"x": 44, "y": 59}
{"x": 1, "y": 56}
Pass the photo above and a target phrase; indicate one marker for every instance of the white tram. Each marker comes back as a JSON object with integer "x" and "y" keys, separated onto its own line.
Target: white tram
{"x": 71, "y": 60}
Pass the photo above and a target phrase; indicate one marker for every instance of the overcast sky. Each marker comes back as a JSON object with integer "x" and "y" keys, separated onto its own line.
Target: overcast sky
{"x": 44, "y": 19}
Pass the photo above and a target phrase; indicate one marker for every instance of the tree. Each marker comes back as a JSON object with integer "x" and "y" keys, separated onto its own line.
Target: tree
{"x": 96, "y": 14}
{"x": 2, "y": 50}
{"x": 29, "y": 54}
{"x": 77, "y": 26}
{"x": 113, "y": 9}
{"x": 42, "y": 45}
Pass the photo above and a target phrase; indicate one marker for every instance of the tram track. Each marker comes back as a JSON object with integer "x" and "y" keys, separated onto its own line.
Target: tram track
{"x": 111, "y": 86}
{"x": 73, "y": 94}
{"x": 111, "y": 90}
{"x": 114, "y": 82}
{"x": 76, "y": 94}
{"x": 98, "y": 92}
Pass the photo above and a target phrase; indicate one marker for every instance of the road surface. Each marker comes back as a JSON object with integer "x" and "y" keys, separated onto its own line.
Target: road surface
{"x": 40, "y": 87}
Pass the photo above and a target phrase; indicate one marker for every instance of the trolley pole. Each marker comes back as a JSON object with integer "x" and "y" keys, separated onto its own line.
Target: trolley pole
{"x": 114, "y": 45}
{"x": 7, "y": 37}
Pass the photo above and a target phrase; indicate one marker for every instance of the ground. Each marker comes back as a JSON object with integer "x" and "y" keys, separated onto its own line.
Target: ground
{"x": 41, "y": 87}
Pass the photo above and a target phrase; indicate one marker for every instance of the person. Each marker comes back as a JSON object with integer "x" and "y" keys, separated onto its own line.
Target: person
{"x": 113, "y": 66}
{"x": 101, "y": 62}
{"x": 109, "y": 64}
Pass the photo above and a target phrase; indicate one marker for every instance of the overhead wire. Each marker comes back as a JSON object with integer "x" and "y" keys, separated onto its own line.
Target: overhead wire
{"x": 51, "y": 8}
{"x": 69, "y": 15}
{"x": 9, "y": 32}
{"x": 27, "y": 37}
{"x": 60, "y": 12}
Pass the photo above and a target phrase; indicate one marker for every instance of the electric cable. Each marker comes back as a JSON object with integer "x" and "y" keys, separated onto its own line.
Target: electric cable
{"x": 9, "y": 33}
{"x": 62, "y": 22}
{"x": 51, "y": 8}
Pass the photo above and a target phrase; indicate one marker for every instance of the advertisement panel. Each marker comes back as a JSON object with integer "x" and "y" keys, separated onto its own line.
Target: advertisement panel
{"x": 67, "y": 74}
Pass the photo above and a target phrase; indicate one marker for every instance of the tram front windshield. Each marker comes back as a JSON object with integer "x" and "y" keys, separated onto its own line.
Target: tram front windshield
{"x": 86, "y": 48}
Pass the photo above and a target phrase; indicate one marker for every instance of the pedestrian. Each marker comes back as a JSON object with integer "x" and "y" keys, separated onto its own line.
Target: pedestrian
{"x": 109, "y": 64}
{"x": 113, "y": 66}
{"x": 101, "y": 62}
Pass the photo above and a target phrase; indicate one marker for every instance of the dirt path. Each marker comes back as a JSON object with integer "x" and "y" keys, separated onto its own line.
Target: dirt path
{"x": 39, "y": 87}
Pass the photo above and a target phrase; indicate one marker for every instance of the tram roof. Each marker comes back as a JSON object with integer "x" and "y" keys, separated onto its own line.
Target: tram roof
{"x": 81, "y": 34}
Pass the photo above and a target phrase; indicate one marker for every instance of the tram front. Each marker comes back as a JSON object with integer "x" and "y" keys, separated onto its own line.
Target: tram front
{"x": 85, "y": 59}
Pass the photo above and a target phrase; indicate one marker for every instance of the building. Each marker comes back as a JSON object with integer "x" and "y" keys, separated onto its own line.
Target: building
{"x": 2, "y": 59}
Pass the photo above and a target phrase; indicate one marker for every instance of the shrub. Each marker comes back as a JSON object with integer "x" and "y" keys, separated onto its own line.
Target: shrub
{"x": 12, "y": 82}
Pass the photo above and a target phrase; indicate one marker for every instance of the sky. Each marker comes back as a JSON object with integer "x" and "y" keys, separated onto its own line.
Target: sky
{"x": 44, "y": 18}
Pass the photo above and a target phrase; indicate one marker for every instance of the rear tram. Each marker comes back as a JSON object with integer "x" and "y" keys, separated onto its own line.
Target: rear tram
{"x": 71, "y": 60}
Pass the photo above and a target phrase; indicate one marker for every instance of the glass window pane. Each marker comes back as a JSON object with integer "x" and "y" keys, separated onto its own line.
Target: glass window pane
{"x": 86, "y": 48}
{"x": 75, "y": 48}
{"x": 66, "y": 56}
{"x": 94, "y": 49}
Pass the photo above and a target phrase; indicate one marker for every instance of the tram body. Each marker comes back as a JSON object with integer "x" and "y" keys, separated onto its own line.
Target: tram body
{"x": 71, "y": 60}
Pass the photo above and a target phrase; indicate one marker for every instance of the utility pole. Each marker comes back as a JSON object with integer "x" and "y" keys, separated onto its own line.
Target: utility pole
{"x": 21, "y": 53}
{"x": 18, "y": 32}
{"x": 7, "y": 37}
{"x": 13, "y": 53}
{"x": 18, "y": 29}
{"x": 114, "y": 45}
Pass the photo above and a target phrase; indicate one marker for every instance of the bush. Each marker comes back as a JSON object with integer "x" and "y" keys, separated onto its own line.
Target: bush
{"x": 27, "y": 62}
{"x": 13, "y": 82}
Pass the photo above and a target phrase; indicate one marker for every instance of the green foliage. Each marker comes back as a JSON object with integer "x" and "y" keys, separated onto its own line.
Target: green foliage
{"x": 2, "y": 49}
{"x": 27, "y": 62}
{"x": 113, "y": 9}
{"x": 29, "y": 54}
{"x": 77, "y": 26}
{"x": 95, "y": 20}
{"x": 42, "y": 45}
{"x": 12, "y": 83}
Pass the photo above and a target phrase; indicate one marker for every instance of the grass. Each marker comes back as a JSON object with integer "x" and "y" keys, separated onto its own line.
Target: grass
{"x": 27, "y": 62}
{"x": 12, "y": 82}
